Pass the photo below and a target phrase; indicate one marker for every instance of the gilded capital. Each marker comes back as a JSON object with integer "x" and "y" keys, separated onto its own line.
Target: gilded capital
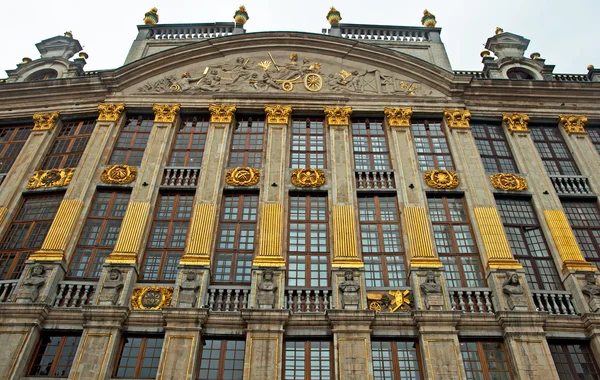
{"x": 45, "y": 121}
{"x": 110, "y": 112}
{"x": 221, "y": 113}
{"x": 165, "y": 113}
{"x": 458, "y": 118}
{"x": 573, "y": 124}
{"x": 277, "y": 114}
{"x": 338, "y": 115}
{"x": 398, "y": 117}
{"x": 516, "y": 122}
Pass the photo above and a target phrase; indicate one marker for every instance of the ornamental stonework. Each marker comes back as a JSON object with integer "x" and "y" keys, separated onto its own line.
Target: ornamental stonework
{"x": 242, "y": 176}
{"x": 392, "y": 301}
{"x": 45, "y": 121}
{"x": 165, "y": 113}
{"x": 221, "y": 113}
{"x": 573, "y": 124}
{"x": 398, "y": 117}
{"x": 441, "y": 179}
{"x": 509, "y": 182}
{"x": 119, "y": 174}
{"x": 50, "y": 178}
{"x": 277, "y": 114}
{"x": 308, "y": 177}
{"x": 151, "y": 297}
{"x": 516, "y": 122}
{"x": 458, "y": 118}
{"x": 110, "y": 112}
{"x": 338, "y": 115}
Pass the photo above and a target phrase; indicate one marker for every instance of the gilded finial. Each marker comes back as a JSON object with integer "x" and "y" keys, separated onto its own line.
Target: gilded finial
{"x": 69, "y": 34}
{"x": 484, "y": 53}
{"x": 428, "y": 19}
{"x": 241, "y": 16}
{"x": 83, "y": 55}
{"x": 151, "y": 17}
{"x": 333, "y": 16}
{"x": 535, "y": 55}
{"x": 26, "y": 60}
{"x": 590, "y": 67}
{"x": 499, "y": 30}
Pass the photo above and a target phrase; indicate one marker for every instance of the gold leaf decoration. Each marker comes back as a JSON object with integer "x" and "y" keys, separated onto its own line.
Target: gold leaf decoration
{"x": 242, "y": 176}
{"x": 516, "y": 122}
{"x": 45, "y": 121}
{"x": 398, "y": 117}
{"x": 508, "y": 181}
{"x": 110, "y": 112}
{"x": 50, "y": 178}
{"x": 458, "y": 118}
{"x": 151, "y": 297}
{"x": 573, "y": 124}
{"x": 441, "y": 179}
{"x": 338, "y": 115}
{"x": 277, "y": 114}
{"x": 308, "y": 177}
{"x": 165, "y": 113}
{"x": 119, "y": 174}
{"x": 221, "y": 113}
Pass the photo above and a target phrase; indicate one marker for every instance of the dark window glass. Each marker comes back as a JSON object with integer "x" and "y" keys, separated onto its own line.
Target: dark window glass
{"x": 584, "y": 218}
{"x": 528, "y": 244}
{"x": 167, "y": 237}
{"x": 518, "y": 74}
{"x": 594, "y": 133}
{"x": 308, "y": 361}
{"x": 381, "y": 240}
{"x": 132, "y": 141}
{"x": 432, "y": 147}
{"x": 574, "y": 361}
{"x": 236, "y": 238}
{"x": 69, "y": 145}
{"x": 371, "y": 151}
{"x": 454, "y": 241}
{"x": 54, "y": 355}
{"x": 46, "y": 74}
{"x": 308, "y": 243}
{"x": 493, "y": 148}
{"x": 99, "y": 234}
{"x": 190, "y": 139}
{"x": 247, "y": 143}
{"x": 138, "y": 357}
{"x": 12, "y": 139}
{"x": 308, "y": 144}
{"x": 222, "y": 359}
{"x": 485, "y": 360}
{"x": 26, "y": 233}
{"x": 395, "y": 360}
{"x": 553, "y": 150}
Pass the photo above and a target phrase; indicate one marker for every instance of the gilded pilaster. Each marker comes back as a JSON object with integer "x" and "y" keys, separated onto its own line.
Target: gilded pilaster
{"x": 420, "y": 241}
{"x": 130, "y": 238}
{"x": 494, "y": 239}
{"x": 199, "y": 243}
{"x": 345, "y": 252}
{"x": 271, "y": 229}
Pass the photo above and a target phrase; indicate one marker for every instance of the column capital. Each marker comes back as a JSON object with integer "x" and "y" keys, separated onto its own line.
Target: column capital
{"x": 338, "y": 115}
{"x": 516, "y": 122}
{"x": 45, "y": 121}
{"x": 110, "y": 112}
{"x": 458, "y": 119}
{"x": 165, "y": 113}
{"x": 277, "y": 114}
{"x": 398, "y": 117}
{"x": 573, "y": 124}
{"x": 221, "y": 113}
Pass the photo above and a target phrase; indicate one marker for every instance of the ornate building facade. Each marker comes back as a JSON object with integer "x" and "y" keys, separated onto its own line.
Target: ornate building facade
{"x": 285, "y": 205}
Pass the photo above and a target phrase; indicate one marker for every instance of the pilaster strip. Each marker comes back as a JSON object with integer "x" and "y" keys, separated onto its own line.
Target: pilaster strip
{"x": 269, "y": 248}
{"x": 3, "y": 212}
{"x": 419, "y": 238}
{"x": 565, "y": 241}
{"x": 494, "y": 239}
{"x": 345, "y": 253}
{"x": 132, "y": 230}
{"x": 202, "y": 226}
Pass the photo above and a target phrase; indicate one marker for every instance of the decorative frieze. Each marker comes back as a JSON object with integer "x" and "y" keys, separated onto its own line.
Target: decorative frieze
{"x": 509, "y": 182}
{"x": 308, "y": 177}
{"x": 221, "y": 113}
{"x": 277, "y": 114}
{"x": 398, "y": 117}
{"x": 151, "y": 297}
{"x": 110, "y": 112}
{"x": 165, "y": 113}
{"x": 441, "y": 179}
{"x": 392, "y": 301}
{"x": 242, "y": 176}
{"x": 119, "y": 174}
{"x": 45, "y": 121}
{"x": 338, "y": 115}
{"x": 458, "y": 118}
{"x": 516, "y": 122}
{"x": 573, "y": 124}
{"x": 51, "y": 178}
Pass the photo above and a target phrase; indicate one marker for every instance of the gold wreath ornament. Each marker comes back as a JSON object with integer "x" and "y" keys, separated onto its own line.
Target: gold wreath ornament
{"x": 50, "y": 178}
{"x": 242, "y": 176}
{"x": 151, "y": 297}
{"x": 509, "y": 182}
{"x": 441, "y": 179}
{"x": 308, "y": 177}
{"x": 119, "y": 174}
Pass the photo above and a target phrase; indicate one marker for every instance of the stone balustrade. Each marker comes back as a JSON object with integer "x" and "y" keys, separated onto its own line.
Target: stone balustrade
{"x": 383, "y": 33}
{"x": 180, "y": 176}
{"x": 308, "y": 300}
{"x": 571, "y": 77}
{"x": 74, "y": 293}
{"x": 189, "y": 31}
{"x": 6, "y": 289}
{"x": 471, "y": 300}
{"x": 375, "y": 179}
{"x": 554, "y": 302}
{"x": 571, "y": 184}
{"x": 228, "y": 298}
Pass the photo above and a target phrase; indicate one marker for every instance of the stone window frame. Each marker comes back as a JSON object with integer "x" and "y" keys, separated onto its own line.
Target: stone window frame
{"x": 69, "y": 144}
{"x": 402, "y": 366}
{"x": 491, "y": 136}
{"x": 369, "y": 134}
{"x": 190, "y": 141}
{"x": 584, "y": 218}
{"x": 147, "y": 343}
{"x": 247, "y": 142}
{"x": 12, "y": 140}
{"x": 434, "y": 144}
{"x": 301, "y": 354}
{"x": 44, "y": 74}
{"x": 567, "y": 366}
{"x": 132, "y": 141}
{"x": 474, "y": 351}
{"x": 65, "y": 348}
{"x": 548, "y": 148}
{"x": 211, "y": 358}
{"x": 314, "y": 128}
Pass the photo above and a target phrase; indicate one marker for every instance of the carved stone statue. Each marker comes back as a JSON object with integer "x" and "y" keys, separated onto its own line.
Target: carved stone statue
{"x": 111, "y": 288}
{"x": 350, "y": 291}
{"x": 432, "y": 292}
{"x": 514, "y": 290}
{"x": 30, "y": 288}
{"x": 188, "y": 290}
{"x": 265, "y": 298}
{"x": 592, "y": 290}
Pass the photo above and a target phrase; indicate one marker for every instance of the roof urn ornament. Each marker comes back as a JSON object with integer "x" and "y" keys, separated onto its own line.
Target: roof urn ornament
{"x": 333, "y": 16}
{"x": 535, "y": 55}
{"x": 68, "y": 34}
{"x": 26, "y": 60}
{"x": 241, "y": 16}
{"x": 484, "y": 53}
{"x": 151, "y": 17}
{"x": 428, "y": 19}
{"x": 499, "y": 30}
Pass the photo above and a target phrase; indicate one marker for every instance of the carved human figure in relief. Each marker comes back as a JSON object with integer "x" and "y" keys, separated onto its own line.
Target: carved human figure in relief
{"x": 350, "y": 291}
{"x": 188, "y": 290}
{"x": 30, "y": 288}
{"x": 514, "y": 290}
{"x": 592, "y": 290}
{"x": 432, "y": 292}
{"x": 111, "y": 289}
{"x": 266, "y": 291}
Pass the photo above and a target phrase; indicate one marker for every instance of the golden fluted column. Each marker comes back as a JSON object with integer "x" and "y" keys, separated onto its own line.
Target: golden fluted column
{"x": 562, "y": 234}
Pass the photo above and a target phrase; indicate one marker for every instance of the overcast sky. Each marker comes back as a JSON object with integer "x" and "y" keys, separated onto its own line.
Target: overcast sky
{"x": 564, "y": 32}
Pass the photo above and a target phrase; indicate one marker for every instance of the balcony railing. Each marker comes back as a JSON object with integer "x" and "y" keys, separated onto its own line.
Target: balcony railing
{"x": 189, "y": 31}
{"x": 571, "y": 184}
{"x": 308, "y": 300}
{"x": 554, "y": 302}
{"x": 571, "y": 77}
{"x": 74, "y": 293}
{"x": 383, "y": 33}
{"x": 375, "y": 179}
{"x": 180, "y": 176}
{"x": 228, "y": 298}
{"x": 6, "y": 289}
{"x": 472, "y": 300}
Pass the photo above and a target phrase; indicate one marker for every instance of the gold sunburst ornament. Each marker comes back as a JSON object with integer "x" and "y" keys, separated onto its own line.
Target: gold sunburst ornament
{"x": 441, "y": 179}
{"x": 242, "y": 176}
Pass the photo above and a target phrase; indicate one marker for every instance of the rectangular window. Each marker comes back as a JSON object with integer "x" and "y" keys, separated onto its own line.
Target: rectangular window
{"x": 99, "y": 234}
{"x": 454, "y": 241}
{"x": 132, "y": 141}
{"x": 236, "y": 238}
{"x": 574, "y": 361}
{"x": 26, "y": 233}
{"x": 371, "y": 151}
{"x": 308, "y": 243}
{"x": 493, "y": 148}
{"x": 190, "y": 139}
{"x": 167, "y": 236}
{"x": 553, "y": 150}
{"x": 53, "y": 355}
{"x": 395, "y": 360}
{"x": 528, "y": 244}
{"x": 68, "y": 147}
{"x": 308, "y": 144}
{"x": 308, "y": 361}
{"x": 222, "y": 359}
{"x": 138, "y": 357}
{"x": 247, "y": 143}
{"x": 381, "y": 240}
{"x": 485, "y": 360}
{"x": 12, "y": 139}
{"x": 584, "y": 218}
{"x": 594, "y": 133}
{"x": 432, "y": 147}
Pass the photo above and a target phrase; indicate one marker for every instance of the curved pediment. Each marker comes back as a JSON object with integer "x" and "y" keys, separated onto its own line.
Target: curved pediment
{"x": 294, "y": 63}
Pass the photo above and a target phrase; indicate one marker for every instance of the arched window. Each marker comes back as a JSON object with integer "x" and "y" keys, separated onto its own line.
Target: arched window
{"x": 43, "y": 75}
{"x": 518, "y": 74}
